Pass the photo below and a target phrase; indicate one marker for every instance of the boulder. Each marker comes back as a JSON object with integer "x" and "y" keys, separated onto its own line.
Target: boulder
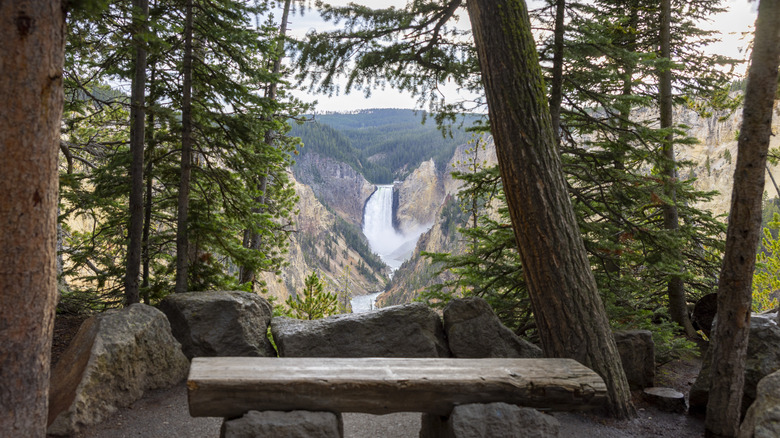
{"x": 474, "y": 330}
{"x": 704, "y": 313}
{"x": 294, "y": 424}
{"x": 637, "y": 354}
{"x": 666, "y": 399}
{"x": 490, "y": 420}
{"x": 113, "y": 359}
{"x": 763, "y": 358}
{"x": 763, "y": 417}
{"x": 409, "y": 330}
{"x": 220, "y": 323}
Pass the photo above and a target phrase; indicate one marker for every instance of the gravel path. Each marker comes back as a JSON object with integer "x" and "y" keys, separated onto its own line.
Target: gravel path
{"x": 163, "y": 414}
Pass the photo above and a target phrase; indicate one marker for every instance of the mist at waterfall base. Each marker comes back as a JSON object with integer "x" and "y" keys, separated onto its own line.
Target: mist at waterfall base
{"x": 393, "y": 247}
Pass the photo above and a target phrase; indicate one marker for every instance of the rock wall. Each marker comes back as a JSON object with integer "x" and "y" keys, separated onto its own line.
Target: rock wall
{"x": 335, "y": 184}
{"x": 714, "y": 158}
{"x": 317, "y": 246}
{"x": 419, "y": 197}
{"x": 417, "y": 273}
{"x": 715, "y": 154}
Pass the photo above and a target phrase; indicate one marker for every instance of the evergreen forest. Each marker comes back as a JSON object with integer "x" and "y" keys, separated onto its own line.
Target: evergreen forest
{"x": 175, "y": 125}
{"x": 381, "y": 144}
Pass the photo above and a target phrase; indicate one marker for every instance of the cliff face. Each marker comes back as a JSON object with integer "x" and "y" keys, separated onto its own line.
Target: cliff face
{"x": 423, "y": 192}
{"x": 418, "y": 272}
{"x": 716, "y": 154}
{"x": 325, "y": 243}
{"x": 419, "y": 198}
{"x": 484, "y": 153}
{"x": 335, "y": 184}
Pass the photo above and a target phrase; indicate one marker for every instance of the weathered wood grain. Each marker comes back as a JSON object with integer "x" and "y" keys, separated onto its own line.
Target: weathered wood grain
{"x": 231, "y": 386}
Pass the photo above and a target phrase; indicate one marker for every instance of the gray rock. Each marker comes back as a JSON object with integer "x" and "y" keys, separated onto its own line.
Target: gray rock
{"x": 220, "y": 323}
{"x": 666, "y": 399}
{"x": 474, "y": 330}
{"x": 410, "y": 330}
{"x": 295, "y": 424}
{"x": 490, "y": 421}
{"x": 763, "y": 417}
{"x": 763, "y": 358}
{"x": 113, "y": 359}
{"x": 637, "y": 353}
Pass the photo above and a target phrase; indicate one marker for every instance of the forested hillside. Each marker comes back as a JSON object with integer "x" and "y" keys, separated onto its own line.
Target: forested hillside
{"x": 381, "y": 144}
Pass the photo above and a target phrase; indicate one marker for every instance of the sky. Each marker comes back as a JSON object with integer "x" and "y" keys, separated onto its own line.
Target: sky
{"x": 732, "y": 24}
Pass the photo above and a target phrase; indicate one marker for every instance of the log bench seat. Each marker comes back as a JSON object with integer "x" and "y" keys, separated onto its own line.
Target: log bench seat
{"x": 231, "y": 386}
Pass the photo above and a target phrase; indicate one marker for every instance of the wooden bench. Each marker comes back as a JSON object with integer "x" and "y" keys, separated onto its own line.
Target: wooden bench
{"x": 231, "y": 386}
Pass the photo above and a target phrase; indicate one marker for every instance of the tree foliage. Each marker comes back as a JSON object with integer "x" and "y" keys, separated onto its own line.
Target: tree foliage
{"x": 230, "y": 116}
{"x": 610, "y": 140}
{"x": 314, "y": 302}
{"x": 766, "y": 277}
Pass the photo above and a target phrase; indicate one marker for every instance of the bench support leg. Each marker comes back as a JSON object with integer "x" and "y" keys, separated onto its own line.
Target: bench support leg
{"x": 294, "y": 424}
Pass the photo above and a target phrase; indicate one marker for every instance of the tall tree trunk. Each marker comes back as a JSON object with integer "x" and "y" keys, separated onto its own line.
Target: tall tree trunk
{"x": 182, "y": 237}
{"x": 730, "y": 337}
{"x": 678, "y": 308}
{"x": 31, "y": 55}
{"x": 569, "y": 313}
{"x": 252, "y": 240}
{"x": 145, "y": 243}
{"x": 138, "y": 123}
{"x": 556, "y": 88}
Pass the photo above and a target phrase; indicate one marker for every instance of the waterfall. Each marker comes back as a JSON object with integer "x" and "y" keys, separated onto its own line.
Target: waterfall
{"x": 391, "y": 246}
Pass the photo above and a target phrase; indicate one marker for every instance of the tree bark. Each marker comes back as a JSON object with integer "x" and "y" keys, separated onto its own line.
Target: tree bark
{"x": 730, "y": 336}
{"x": 137, "y": 126}
{"x": 146, "y": 255}
{"x": 569, "y": 313}
{"x": 678, "y": 308}
{"x": 31, "y": 59}
{"x": 182, "y": 237}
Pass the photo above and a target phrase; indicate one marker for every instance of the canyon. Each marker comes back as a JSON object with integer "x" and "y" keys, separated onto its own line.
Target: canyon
{"x": 333, "y": 212}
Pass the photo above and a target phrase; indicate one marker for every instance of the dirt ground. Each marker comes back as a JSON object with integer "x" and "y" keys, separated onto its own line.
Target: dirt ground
{"x": 164, "y": 413}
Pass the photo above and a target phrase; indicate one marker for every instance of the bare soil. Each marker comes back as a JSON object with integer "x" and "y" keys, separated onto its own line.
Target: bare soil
{"x": 164, "y": 413}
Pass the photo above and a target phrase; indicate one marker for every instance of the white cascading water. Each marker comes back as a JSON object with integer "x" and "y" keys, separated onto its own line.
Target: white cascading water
{"x": 392, "y": 247}
{"x": 383, "y": 239}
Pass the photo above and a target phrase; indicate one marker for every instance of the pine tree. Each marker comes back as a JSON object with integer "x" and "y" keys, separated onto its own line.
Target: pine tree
{"x": 229, "y": 116}
{"x": 314, "y": 302}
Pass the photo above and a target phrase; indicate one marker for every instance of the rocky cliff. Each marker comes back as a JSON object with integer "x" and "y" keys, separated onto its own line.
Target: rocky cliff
{"x": 716, "y": 154}
{"x": 418, "y": 272}
{"x": 427, "y": 197}
{"x": 326, "y": 243}
{"x": 335, "y": 184}
{"x": 419, "y": 197}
